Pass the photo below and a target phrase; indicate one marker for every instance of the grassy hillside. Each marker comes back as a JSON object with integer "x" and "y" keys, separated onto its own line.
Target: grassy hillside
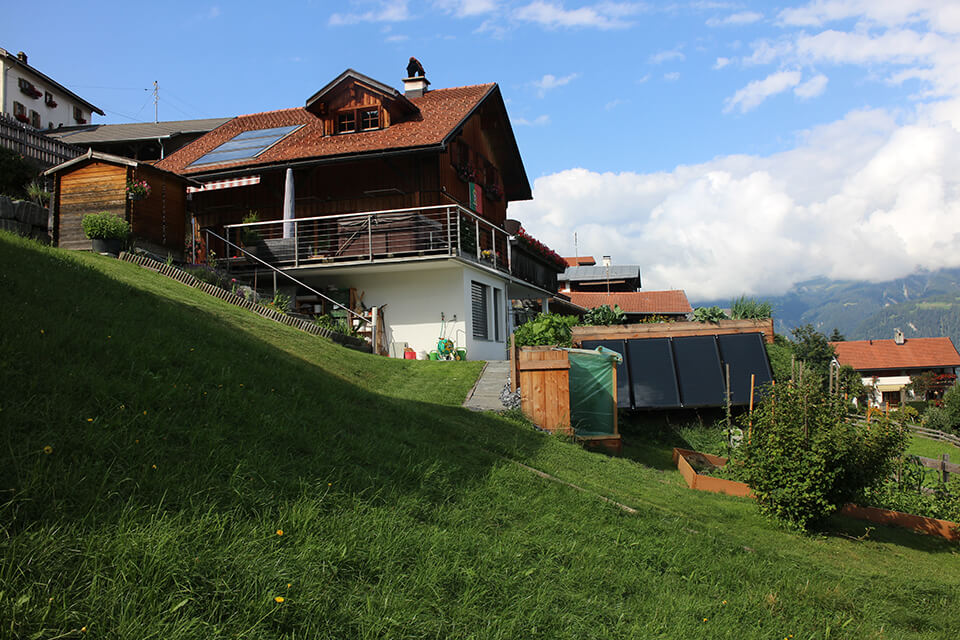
{"x": 173, "y": 467}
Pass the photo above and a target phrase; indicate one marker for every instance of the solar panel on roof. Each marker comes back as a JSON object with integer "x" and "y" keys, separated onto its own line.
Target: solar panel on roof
{"x": 248, "y": 144}
{"x": 623, "y": 375}
{"x": 746, "y": 355}
{"x": 698, "y": 371}
{"x": 652, "y": 374}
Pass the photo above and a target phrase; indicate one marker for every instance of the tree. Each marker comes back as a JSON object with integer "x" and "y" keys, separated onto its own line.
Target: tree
{"x": 921, "y": 384}
{"x": 15, "y": 173}
{"x": 813, "y": 349}
{"x": 836, "y": 336}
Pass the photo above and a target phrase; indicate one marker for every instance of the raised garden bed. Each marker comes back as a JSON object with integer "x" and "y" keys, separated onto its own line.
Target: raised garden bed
{"x": 688, "y": 462}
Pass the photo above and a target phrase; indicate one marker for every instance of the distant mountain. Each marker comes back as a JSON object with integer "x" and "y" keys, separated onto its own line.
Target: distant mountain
{"x": 924, "y": 304}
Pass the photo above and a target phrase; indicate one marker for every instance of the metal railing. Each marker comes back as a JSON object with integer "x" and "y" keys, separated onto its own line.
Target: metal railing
{"x": 375, "y": 236}
{"x": 276, "y": 272}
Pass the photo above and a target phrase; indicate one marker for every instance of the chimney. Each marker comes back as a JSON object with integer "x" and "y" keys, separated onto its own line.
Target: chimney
{"x": 898, "y": 336}
{"x": 22, "y": 57}
{"x": 416, "y": 83}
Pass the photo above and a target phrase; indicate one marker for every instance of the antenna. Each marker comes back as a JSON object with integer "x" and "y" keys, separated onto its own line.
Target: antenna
{"x": 156, "y": 100}
{"x": 576, "y": 250}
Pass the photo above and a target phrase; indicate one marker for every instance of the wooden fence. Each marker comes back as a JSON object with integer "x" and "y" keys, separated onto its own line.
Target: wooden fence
{"x": 32, "y": 144}
{"x": 935, "y": 434}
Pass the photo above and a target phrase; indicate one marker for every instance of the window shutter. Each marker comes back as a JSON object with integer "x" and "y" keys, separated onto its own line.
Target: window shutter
{"x": 478, "y": 293}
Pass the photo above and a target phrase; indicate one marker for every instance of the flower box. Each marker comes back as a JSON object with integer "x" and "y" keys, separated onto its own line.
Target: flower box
{"x": 22, "y": 117}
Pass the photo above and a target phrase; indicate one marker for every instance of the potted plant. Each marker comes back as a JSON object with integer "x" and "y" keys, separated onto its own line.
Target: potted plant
{"x": 137, "y": 189}
{"x": 106, "y": 231}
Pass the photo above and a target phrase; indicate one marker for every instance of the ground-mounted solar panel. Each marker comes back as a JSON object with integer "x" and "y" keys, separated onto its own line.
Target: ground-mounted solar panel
{"x": 248, "y": 144}
{"x": 623, "y": 375}
{"x": 652, "y": 374}
{"x": 698, "y": 371}
{"x": 746, "y": 355}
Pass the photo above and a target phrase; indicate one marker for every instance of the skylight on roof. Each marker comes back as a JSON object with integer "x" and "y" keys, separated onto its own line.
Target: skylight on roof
{"x": 248, "y": 144}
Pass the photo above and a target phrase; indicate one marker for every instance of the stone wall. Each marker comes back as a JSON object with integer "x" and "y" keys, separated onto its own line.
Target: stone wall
{"x": 24, "y": 218}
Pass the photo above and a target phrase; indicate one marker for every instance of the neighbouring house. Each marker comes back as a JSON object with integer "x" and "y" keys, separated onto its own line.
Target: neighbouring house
{"x": 580, "y": 261}
{"x": 638, "y": 306}
{"x": 399, "y": 197}
{"x": 141, "y": 141}
{"x": 887, "y": 366}
{"x": 96, "y": 182}
{"x": 35, "y": 99}
{"x": 605, "y": 277}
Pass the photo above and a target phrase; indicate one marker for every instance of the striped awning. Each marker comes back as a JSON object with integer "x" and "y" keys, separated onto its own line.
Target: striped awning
{"x": 226, "y": 184}
{"x": 890, "y": 387}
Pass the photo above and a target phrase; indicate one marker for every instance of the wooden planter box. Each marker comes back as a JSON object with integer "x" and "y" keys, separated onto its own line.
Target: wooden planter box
{"x": 920, "y": 524}
{"x": 674, "y": 330}
{"x": 685, "y": 459}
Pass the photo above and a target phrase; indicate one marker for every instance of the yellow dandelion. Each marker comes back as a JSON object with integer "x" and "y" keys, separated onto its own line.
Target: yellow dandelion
{"x": 83, "y": 629}
{"x": 191, "y": 348}
{"x": 108, "y": 337}
{"x": 724, "y": 602}
{"x": 144, "y": 413}
{"x": 153, "y": 466}
{"x": 41, "y": 330}
{"x": 137, "y": 441}
{"x": 123, "y": 406}
{"x": 48, "y": 449}
{"x": 89, "y": 419}
{"x": 704, "y": 619}
{"x": 279, "y": 532}
{"x": 289, "y": 584}
{"x": 241, "y": 384}
{"x": 278, "y": 599}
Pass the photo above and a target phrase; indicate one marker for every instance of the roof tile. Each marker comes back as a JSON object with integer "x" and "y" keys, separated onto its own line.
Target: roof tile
{"x": 865, "y": 355}
{"x": 672, "y": 302}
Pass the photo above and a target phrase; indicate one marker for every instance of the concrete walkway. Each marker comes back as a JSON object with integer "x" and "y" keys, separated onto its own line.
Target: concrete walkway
{"x": 485, "y": 396}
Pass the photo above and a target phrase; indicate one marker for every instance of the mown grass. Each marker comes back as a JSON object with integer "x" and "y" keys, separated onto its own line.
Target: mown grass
{"x": 928, "y": 448}
{"x": 186, "y": 434}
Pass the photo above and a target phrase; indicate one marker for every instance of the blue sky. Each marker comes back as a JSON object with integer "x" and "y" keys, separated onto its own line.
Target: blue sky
{"x": 726, "y": 147}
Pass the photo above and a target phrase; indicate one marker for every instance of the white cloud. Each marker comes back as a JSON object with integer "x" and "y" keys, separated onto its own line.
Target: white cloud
{"x": 467, "y": 8}
{"x": 812, "y": 88}
{"x": 736, "y": 19}
{"x": 673, "y": 76}
{"x": 604, "y": 15}
{"x": 757, "y": 91}
{"x": 399, "y": 37}
{"x": 550, "y": 81}
{"x": 613, "y": 104}
{"x": 857, "y": 198}
{"x": 667, "y": 56}
{"x": 383, "y": 11}
{"x": 539, "y": 121}
{"x": 721, "y": 63}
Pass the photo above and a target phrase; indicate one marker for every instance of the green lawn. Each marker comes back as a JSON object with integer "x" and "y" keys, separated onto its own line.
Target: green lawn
{"x": 186, "y": 434}
{"x": 932, "y": 448}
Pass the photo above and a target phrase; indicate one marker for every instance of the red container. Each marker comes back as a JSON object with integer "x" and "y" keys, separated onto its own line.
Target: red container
{"x": 409, "y": 354}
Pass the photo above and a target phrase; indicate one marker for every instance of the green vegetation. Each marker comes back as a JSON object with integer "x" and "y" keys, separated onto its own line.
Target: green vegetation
{"x": 546, "y": 329}
{"x": 16, "y": 172}
{"x": 709, "y": 314}
{"x": 928, "y": 448}
{"x": 604, "y": 315}
{"x": 805, "y": 460}
{"x": 104, "y": 226}
{"x": 186, "y": 434}
{"x": 744, "y": 308}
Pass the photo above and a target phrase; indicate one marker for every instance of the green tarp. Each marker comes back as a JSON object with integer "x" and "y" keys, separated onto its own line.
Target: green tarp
{"x": 592, "y": 409}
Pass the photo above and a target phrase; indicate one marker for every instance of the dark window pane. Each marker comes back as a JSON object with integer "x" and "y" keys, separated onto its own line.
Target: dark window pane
{"x": 346, "y": 122}
{"x": 370, "y": 119}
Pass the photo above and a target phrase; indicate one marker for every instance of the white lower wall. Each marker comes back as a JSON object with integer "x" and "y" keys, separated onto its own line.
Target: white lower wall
{"x": 413, "y": 298}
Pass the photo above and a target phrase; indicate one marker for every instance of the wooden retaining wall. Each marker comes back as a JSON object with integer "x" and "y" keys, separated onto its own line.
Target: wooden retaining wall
{"x": 271, "y": 314}
{"x": 674, "y": 330}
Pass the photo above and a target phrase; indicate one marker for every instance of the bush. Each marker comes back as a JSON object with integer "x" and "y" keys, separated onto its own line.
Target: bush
{"x": 15, "y": 173}
{"x": 937, "y": 418}
{"x": 744, "y": 308}
{"x": 951, "y": 404}
{"x": 804, "y": 460}
{"x": 546, "y": 329}
{"x": 104, "y": 226}
{"x": 709, "y": 314}
{"x": 604, "y": 315}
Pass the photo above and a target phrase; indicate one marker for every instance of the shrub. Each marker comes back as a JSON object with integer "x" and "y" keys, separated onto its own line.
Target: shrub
{"x": 604, "y": 315}
{"x": 546, "y": 329}
{"x": 804, "y": 460}
{"x": 744, "y": 308}
{"x": 250, "y": 236}
{"x": 937, "y": 418}
{"x": 951, "y": 404}
{"x": 104, "y": 226}
{"x": 709, "y": 314}
{"x": 15, "y": 172}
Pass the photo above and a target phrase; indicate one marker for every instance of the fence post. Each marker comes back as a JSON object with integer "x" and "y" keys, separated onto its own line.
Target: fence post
{"x": 945, "y": 475}
{"x": 370, "y": 236}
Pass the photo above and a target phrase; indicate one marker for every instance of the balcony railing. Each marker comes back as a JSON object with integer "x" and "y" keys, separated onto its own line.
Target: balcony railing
{"x": 376, "y": 236}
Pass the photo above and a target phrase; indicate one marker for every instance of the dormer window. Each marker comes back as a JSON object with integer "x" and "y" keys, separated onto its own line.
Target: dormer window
{"x": 353, "y": 120}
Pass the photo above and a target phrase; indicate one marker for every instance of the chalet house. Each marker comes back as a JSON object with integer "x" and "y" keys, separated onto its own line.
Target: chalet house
{"x": 585, "y": 275}
{"x": 638, "y": 306}
{"x": 399, "y": 197}
{"x": 37, "y": 100}
{"x": 886, "y": 366}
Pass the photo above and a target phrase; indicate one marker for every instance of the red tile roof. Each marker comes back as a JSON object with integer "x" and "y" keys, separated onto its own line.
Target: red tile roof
{"x": 665, "y": 302}
{"x": 582, "y": 261}
{"x": 914, "y": 353}
{"x": 441, "y": 111}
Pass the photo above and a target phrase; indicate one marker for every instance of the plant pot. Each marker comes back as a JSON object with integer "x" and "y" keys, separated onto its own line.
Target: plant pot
{"x": 111, "y": 246}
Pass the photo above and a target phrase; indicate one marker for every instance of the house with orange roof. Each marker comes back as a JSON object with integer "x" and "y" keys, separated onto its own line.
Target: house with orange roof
{"x": 400, "y": 197}
{"x": 887, "y": 366}
{"x": 637, "y": 306}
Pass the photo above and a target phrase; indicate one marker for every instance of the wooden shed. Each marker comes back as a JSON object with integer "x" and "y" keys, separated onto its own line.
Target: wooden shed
{"x": 96, "y": 182}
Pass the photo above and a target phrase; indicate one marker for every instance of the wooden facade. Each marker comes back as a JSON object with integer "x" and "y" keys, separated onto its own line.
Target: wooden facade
{"x": 97, "y": 182}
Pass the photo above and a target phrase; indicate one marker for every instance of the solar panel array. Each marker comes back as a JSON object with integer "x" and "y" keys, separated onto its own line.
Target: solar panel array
{"x": 669, "y": 373}
{"x": 248, "y": 144}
